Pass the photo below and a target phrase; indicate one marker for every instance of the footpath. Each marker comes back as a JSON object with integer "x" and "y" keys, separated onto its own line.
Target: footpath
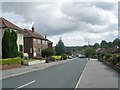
{"x": 98, "y": 75}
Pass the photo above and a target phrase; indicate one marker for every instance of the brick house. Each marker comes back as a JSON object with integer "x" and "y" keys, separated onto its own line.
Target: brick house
{"x": 34, "y": 43}
{"x": 4, "y": 23}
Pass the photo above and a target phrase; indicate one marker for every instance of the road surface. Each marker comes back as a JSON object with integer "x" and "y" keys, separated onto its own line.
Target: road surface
{"x": 64, "y": 75}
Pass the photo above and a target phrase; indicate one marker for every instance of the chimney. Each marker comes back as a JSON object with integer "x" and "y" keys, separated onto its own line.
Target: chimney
{"x": 46, "y": 36}
{"x": 33, "y": 29}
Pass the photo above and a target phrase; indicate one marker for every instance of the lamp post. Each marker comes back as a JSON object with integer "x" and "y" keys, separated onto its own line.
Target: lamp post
{"x": 88, "y": 46}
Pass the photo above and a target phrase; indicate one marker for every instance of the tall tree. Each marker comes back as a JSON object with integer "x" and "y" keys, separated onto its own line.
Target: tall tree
{"x": 9, "y": 44}
{"x": 14, "y": 46}
{"x": 60, "y": 48}
{"x": 6, "y": 44}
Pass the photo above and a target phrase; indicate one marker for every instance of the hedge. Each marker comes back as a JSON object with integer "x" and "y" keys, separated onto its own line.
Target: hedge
{"x": 64, "y": 56}
{"x": 10, "y": 61}
{"x": 53, "y": 58}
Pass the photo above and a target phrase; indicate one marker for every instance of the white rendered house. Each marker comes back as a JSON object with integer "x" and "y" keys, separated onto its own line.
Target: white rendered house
{"x": 7, "y": 24}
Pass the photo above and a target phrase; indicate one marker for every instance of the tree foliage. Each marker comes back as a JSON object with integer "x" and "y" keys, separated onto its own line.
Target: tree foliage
{"x": 9, "y": 44}
{"x": 89, "y": 52}
{"x": 48, "y": 52}
{"x": 104, "y": 44}
{"x": 60, "y": 48}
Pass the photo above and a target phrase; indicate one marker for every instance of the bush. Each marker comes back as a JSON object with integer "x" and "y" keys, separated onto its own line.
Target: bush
{"x": 47, "y": 52}
{"x": 53, "y": 58}
{"x": 115, "y": 59}
{"x": 101, "y": 57}
{"x": 64, "y": 56}
{"x": 20, "y": 54}
{"x": 10, "y": 61}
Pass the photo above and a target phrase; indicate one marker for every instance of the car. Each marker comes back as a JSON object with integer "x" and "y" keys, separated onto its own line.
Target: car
{"x": 70, "y": 57}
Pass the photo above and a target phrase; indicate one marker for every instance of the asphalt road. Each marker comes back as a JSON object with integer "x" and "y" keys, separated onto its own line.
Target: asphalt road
{"x": 64, "y": 75}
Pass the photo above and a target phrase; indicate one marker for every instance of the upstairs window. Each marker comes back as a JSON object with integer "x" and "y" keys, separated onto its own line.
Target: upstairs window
{"x": 34, "y": 40}
{"x": 43, "y": 41}
{"x": 39, "y": 41}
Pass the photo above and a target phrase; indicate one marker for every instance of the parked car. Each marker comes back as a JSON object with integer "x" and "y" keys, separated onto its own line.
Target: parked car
{"x": 70, "y": 57}
{"x": 81, "y": 56}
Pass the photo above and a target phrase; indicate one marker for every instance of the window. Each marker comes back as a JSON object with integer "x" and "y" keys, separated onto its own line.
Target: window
{"x": 43, "y": 42}
{"x": 39, "y": 41}
{"x": 34, "y": 49}
{"x": 20, "y": 47}
{"x": 38, "y": 50}
{"x": 34, "y": 40}
{"x": 46, "y": 42}
{"x": 30, "y": 50}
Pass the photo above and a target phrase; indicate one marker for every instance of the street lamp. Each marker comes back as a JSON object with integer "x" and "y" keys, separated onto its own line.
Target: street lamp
{"x": 88, "y": 46}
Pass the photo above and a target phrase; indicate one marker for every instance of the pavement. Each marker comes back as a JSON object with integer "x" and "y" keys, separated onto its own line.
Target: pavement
{"x": 64, "y": 75}
{"x": 98, "y": 75}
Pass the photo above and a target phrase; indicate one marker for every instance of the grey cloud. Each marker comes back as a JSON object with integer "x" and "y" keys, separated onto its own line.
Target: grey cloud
{"x": 75, "y": 16}
{"x": 106, "y": 5}
{"x": 87, "y": 13}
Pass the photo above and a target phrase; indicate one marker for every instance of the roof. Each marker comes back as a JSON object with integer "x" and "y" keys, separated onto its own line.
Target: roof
{"x": 4, "y": 23}
{"x": 49, "y": 41}
{"x": 113, "y": 49}
{"x": 101, "y": 50}
{"x": 30, "y": 33}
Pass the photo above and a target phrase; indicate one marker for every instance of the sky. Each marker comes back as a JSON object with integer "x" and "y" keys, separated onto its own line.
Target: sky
{"x": 75, "y": 21}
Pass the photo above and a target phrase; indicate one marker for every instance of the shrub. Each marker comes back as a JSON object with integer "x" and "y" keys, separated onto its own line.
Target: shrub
{"x": 53, "y": 58}
{"x": 10, "y": 61}
{"x": 115, "y": 59}
{"x": 64, "y": 56}
{"x": 48, "y": 52}
{"x": 101, "y": 57}
{"x": 20, "y": 54}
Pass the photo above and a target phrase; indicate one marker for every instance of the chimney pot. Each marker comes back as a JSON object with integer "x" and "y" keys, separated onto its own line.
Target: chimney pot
{"x": 45, "y": 36}
{"x": 33, "y": 29}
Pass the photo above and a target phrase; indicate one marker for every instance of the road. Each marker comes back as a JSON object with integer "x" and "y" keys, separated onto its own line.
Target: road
{"x": 64, "y": 75}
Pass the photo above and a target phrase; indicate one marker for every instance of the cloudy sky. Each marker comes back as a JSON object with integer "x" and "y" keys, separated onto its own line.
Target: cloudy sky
{"x": 76, "y": 22}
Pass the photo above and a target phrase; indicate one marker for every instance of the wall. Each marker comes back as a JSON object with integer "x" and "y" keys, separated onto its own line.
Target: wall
{"x": 0, "y": 43}
{"x": 28, "y": 43}
{"x": 20, "y": 40}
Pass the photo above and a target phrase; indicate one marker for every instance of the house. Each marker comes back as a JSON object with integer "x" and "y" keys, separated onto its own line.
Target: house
{"x": 34, "y": 43}
{"x": 113, "y": 49}
{"x": 4, "y": 23}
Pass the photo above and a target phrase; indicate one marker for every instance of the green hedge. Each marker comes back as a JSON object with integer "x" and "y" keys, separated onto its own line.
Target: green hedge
{"x": 53, "y": 58}
{"x": 10, "y": 61}
{"x": 64, "y": 56}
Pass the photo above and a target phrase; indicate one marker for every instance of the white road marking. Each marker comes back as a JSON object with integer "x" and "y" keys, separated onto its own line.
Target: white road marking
{"x": 80, "y": 78}
{"x": 25, "y": 85}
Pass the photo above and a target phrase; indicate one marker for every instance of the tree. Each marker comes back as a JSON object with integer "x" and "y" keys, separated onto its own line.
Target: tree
{"x": 9, "y": 44}
{"x": 14, "y": 46}
{"x": 89, "y": 52}
{"x": 96, "y": 45}
{"x": 60, "y": 48}
{"x": 6, "y": 44}
{"x": 116, "y": 42}
{"x": 104, "y": 44}
{"x": 48, "y": 52}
